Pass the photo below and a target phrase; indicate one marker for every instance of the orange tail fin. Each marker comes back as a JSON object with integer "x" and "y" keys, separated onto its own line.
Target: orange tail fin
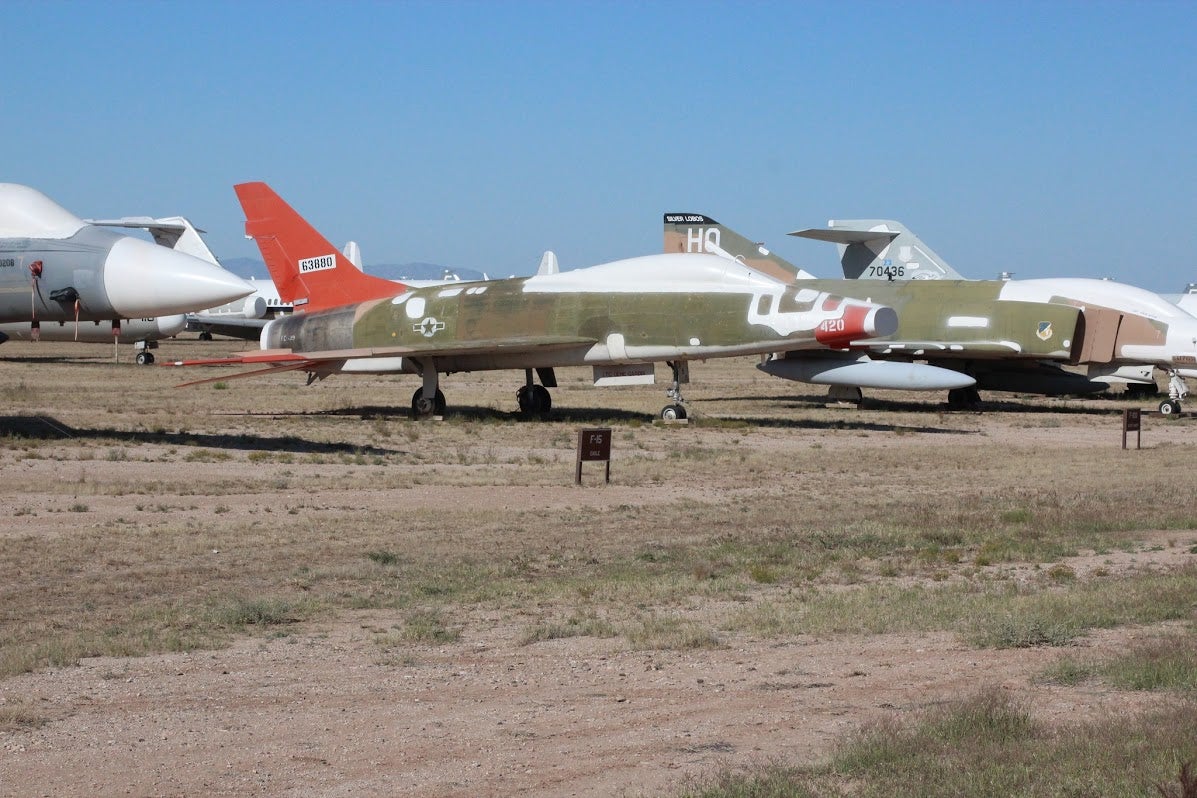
{"x": 306, "y": 269}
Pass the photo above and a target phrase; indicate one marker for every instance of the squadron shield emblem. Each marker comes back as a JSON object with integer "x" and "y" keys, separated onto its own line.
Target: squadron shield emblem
{"x": 1045, "y": 330}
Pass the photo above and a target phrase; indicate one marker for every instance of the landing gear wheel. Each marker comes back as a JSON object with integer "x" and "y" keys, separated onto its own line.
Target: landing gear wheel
{"x": 534, "y": 400}
{"x": 1169, "y": 407}
{"x": 964, "y": 399}
{"x": 144, "y": 358}
{"x": 542, "y": 401}
{"x": 205, "y": 336}
{"x": 674, "y": 413}
{"x": 422, "y": 407}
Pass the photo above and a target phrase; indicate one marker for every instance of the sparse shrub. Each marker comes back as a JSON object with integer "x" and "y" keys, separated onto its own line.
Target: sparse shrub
{"x": 578, "y": 625}
{"x": 1061, "y": 573}
{"x": 383, "y": 557}
{"x": 19, "y": 715}
{"x": 256, "y": 612}
{"x": 1017, "y": 516}
{"x": 1025, "y": 631}
{"x": 762, "y": 574}
{"x": 670, "y": 634}
{"x": 428, "y": 626}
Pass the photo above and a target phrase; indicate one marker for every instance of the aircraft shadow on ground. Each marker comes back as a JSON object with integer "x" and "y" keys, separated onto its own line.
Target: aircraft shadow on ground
{"x": 579, "y": 415}
{"x": 845, "y": 424}
{"x": 597, "y": 416}
{"x": 78, "y": 360}
{"x": 991, "y": 406}
{"x": 47, "y": 427}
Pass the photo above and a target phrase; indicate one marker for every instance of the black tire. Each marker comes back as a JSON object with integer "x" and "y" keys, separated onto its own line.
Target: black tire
{"x": 144, "y": 358}
{"x": 542, "y": 400}
{"x": 673, "y": 413}
{"x": 205, "y": 336}
{"x": 534, "y": 400}
{"x": 423, "y": 408}
{"x": 1169, "y": 407}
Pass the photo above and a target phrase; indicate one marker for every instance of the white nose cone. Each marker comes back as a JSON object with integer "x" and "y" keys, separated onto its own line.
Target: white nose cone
{"x": 144, "y": 279}
{"x": 171, "y": 325}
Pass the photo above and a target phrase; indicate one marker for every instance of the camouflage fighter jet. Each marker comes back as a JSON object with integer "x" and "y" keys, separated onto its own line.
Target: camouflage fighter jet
{"x": 54, "y": 267}
{"x": 1001, "y": 334}
{"x": 883, "y": 249}
{"x": 620, "y": 318}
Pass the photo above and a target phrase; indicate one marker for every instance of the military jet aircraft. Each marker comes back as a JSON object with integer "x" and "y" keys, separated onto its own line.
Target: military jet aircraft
{"x": 54, "y": 267}
{"x": 991, "y": 331}
{"x": 619, "y": 318}
{"x": 883, "y": 249}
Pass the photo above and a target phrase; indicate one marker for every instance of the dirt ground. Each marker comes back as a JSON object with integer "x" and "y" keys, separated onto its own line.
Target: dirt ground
{"x": 318, "y": 712}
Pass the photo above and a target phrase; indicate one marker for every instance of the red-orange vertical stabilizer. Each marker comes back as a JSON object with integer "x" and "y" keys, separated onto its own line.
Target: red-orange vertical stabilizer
{"x": 307, "y": 270}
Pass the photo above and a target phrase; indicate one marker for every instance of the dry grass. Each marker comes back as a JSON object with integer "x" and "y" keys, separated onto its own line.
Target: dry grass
{"x": 178, "y": 517}
{"x": 986, "y": 745}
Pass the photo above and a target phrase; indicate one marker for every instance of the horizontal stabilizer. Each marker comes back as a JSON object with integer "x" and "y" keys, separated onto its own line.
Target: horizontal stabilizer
{"x": 172, "y": 232}
{"x": 881, "y": 249}
{"x": 846, "y": 236}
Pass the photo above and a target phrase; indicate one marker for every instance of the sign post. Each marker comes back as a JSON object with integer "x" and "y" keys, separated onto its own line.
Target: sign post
{"x": 1131, "y": 423}
{"x": 594, "y": 445}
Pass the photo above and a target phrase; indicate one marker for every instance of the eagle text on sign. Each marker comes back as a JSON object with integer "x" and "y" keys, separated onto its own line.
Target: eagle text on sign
{"x": 594, "y": 445}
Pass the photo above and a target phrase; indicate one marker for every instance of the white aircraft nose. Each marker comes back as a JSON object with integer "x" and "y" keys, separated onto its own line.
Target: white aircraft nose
{"x": 171, "y": 325}
{"x": 143, "y": 279}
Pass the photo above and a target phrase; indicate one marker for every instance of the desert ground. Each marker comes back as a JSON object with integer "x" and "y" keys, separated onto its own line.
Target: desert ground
{"x": 259, "y": 587}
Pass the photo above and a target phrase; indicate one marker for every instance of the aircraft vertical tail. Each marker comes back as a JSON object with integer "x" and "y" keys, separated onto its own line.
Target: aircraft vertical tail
{"x": 881, "y": 249}
{"x": 307, "y": 270}
{"x": 694, "y": 232}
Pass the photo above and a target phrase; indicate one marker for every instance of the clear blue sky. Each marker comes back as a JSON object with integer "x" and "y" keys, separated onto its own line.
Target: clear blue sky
{"x": 1044, "y": 138}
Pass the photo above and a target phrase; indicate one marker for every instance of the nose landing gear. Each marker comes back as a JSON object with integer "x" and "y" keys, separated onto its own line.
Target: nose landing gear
{"x": 681, "y": 374}
{"x": 1177, "y": 391}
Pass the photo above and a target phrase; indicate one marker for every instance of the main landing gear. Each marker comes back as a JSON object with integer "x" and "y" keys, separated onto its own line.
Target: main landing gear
{"x": 533, "y": 399}
{"x": 681, "y": 374}
{"x": 428, "y": 400}
{"x": 1177, "y": 390}
{"x": 964, "y": 399}
{"x": 424, "y": 408}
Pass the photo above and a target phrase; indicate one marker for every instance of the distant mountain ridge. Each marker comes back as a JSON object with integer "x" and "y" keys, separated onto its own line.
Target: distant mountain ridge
{"x": 252, "y": 267}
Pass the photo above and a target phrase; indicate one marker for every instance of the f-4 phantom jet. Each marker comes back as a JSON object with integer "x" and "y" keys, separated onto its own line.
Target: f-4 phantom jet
{"x": 619, "y": 318}
{"x": 1011, "y": 335}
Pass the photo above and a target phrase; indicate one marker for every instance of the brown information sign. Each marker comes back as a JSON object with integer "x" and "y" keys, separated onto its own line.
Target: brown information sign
{"x": 594, "y": 445}
{"x": 1131, "y": 422}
